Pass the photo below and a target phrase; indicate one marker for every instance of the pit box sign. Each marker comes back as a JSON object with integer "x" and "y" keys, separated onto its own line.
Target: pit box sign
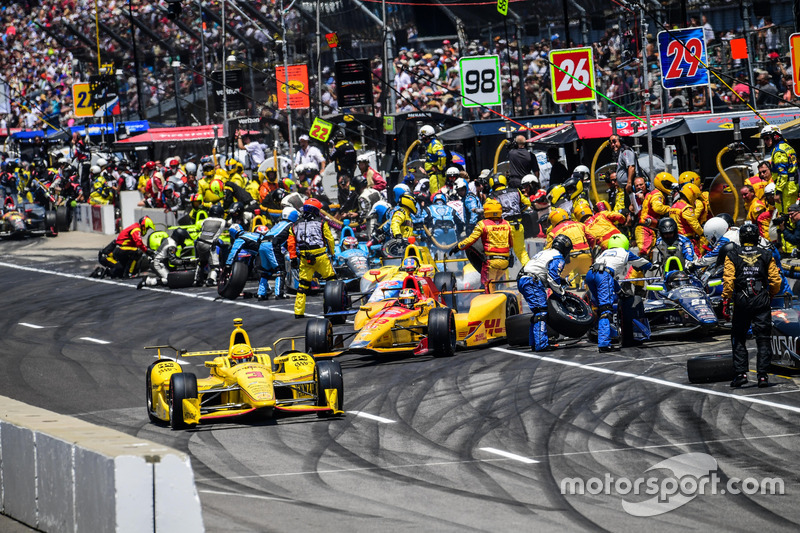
{"x": 682, "y": 54}
{"x": 82, "y": 100}
{"x": 298, "y": 87}
{"x": 480, "y": 81}
{"x": 104, "y": 97}
{"x": 353, "y": 83}
{"x": 572, "y": 75}
{"x": 320, "y": 130}
{"x": 234, "y": 80}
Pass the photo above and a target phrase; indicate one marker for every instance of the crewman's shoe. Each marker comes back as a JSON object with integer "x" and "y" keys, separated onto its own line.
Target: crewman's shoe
{"x": 262, "y": 297}
{"x": 763, "y": 381}
{"x": 545, "y": 349}
{"x": 739, "y": 380}
{"x": 141, "y": 283}
{"x": 606, "y": 349}
{"x": 299, "y": 316}
{"x": 281, "y": 297}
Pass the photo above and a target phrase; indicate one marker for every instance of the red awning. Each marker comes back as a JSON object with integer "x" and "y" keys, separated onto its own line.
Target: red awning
{"x": 601, "y": 128}
{"x": 183, "y": 134}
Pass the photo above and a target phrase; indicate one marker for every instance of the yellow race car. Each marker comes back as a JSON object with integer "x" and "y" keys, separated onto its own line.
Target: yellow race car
{"x": 242, "y": 380}
{"x": 419, "y": 321}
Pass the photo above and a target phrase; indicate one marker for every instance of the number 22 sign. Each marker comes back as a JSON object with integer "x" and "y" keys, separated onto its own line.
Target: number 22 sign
{"x": 683, "y": 54}
{"x": 572, "y": 75}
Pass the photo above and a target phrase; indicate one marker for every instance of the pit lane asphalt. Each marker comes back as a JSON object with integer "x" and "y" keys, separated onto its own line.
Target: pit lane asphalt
{"x": 480, "y": 441}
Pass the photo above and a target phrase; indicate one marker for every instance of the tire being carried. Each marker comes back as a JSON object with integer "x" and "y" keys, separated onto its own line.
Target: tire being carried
{"x": 570, "y": 316}
{"x": 710, "y": 368}
{"x": 182, "y": 385}
{"x": 442, "y": 332}
{"x": 180, "y": 279}
{"x": 329, "y": 376}
{"x": 231, "y": 286}
{"x": 335, "y": 299}
{"x": 518, "y": 329}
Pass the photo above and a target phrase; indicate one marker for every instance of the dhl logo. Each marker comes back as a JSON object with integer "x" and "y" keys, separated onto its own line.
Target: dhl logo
{"x": 492, "y": 327}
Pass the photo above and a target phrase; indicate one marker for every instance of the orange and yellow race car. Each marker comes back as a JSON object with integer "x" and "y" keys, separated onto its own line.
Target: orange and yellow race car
{"x": 419, "y": 320}
{"x": 242, "y": 380}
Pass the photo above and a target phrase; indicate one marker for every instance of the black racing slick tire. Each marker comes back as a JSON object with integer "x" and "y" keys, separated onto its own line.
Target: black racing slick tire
{"x": 182, "y": 386}
{"x": 329, "y": 376}
{"x": 518, "y": 329}
{"x": 442, "y": 332}
{"x": 446, "y": 281}
{"x": 232, "y": 286}
{"x": 710, "y": 368}
{"x": 50, "y": 225}
{"x": 180, "y": 279}
{"x": 319, "y": 336}
{"x": 334, "y": 300}
{"x": 570, "y": 316}
{"x": 62, "y": 218}
{"x": 512, "y": 305}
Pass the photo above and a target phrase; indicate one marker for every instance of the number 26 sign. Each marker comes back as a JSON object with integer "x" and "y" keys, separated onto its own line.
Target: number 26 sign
{"x": 572, "y": 75}
{"x": 682, "y": 54}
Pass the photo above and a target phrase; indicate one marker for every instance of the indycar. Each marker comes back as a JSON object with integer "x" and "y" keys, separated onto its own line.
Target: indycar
{"x": 291, "y": 382}
{"x": 429, "y": 326}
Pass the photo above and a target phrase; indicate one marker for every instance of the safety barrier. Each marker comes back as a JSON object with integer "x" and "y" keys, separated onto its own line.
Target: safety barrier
{"x": 94, "y": 219}
{"x": 59, "y": 474}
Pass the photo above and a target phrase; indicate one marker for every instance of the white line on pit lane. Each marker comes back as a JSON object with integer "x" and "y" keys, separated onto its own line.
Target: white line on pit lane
{"x": 34, "y": 326}
{"x": 709, "y": 392}
{"x": 509, "y": 455}
{"x": 96, "y": 341}
{"x": 372, "y": 417}
{"x": 155, "y": 289}
{"x": 776, "y": 392}
{"x": 240, "y": 495}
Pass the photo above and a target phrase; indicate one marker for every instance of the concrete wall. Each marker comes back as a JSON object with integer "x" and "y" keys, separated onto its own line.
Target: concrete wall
{"x": 94, "y": 219}
{"x": 61, "y": 474}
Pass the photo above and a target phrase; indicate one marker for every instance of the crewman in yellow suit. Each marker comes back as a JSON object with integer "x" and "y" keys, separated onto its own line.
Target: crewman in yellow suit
{"x": 402, "y": 227}
{"x": 514, "y": 206}
{"x": 435, "y": 157}
{"x": 497, "y": 238}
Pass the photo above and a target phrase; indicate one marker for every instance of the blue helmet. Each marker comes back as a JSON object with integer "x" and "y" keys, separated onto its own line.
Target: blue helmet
{"x": 409, "y": 179}
{"x": 400, "y": 190}
{"x": 290, "y": 214}
{"x": 380, "y": 209}
{"x": 439, "y": 197}
{"x": 235, "y": 230}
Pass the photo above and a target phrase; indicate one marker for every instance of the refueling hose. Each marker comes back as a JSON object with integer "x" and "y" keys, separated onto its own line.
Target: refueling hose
{"x": 728, "y": 181}
{"x": 591, "y": 173}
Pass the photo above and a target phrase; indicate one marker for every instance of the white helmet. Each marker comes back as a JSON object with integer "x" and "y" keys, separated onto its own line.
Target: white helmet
{"x": 287, "y": 213}
{"x": 582, "y": 169}
{"x": 769, "y": 130}
{"x": 461, "y": 183}
{"x": 452, "y": 171}
{"x": 714, "y": 229}
{"x": 102, "y": 163}
{"x": 426, "y": 131}
{"x": 94, "y": 169}
{"x": 311, "y": 167}
{"x": 530, "y": 179}
{"x": 299, "y": 169}
{"x": 363, "y": 158}
{"x": 770, "y": 188}
{"x": 191, "y": 169}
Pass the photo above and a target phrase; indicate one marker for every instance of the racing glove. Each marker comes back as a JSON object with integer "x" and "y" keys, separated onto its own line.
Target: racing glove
{"x": 453, "y": 251}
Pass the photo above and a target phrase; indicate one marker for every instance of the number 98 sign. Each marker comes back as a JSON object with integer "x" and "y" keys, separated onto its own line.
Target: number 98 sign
{"x": 480, "y": 80}
{"x": 572, "y": 75}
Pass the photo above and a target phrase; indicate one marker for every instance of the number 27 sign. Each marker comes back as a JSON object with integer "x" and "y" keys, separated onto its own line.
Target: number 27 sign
{"x": 683, "y": 54}
{"x": 572, "y": 75}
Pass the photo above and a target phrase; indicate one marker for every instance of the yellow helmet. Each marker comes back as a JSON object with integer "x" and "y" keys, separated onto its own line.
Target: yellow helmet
{"x": 578, "y": 190}
{"x": 690, "y": 177}
{"x": 492, "y": 209}
{"x": 498, "y": 181}
{"x": 557, "y": 216}
{"x": 691, "y": 192}
{"x": 234, "y": 165}
{"x": 581, "y": 210}
{"x": 664, "y": 182}
{"x": 556, "y": 194}
{"x": 409, "y": 203}
{"x": 242, "y": 353}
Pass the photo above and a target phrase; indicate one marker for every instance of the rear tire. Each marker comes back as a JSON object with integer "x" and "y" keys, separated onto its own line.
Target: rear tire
{"x": 180, "y": 279}
{"x": 62, "y": 218}
{"x": 319, "y": 336}
{"x": 335, "y": 300}
{"x": 329, "y": 376}
{"x": 231, "y": 287}
{"x": 442, "y": 332}
{"x": 50, "y": 224}
{"x": 570, "y": 317}
{"x": 182, "y": 386}
{"x": 446, "y": 281}
{"x": 518, "y": 329}
{"x": 710, "y": 368}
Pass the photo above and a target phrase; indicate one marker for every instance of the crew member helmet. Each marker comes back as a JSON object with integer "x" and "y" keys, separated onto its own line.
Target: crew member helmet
{"x": 748, "y": 234}
{"x": 563, "y": 244}
{"x": 290, "y": 214}
{"x": 618, "y": 240}
{"x": 492, "y": 209}
{"x": 557, "y": 216}
{"x": 714, "y": 228}
{"x": 146, "y": 223}
{"x": 664, "y": 182}
{"x": 407, "y": 201}
{"x": 180, "y": 235}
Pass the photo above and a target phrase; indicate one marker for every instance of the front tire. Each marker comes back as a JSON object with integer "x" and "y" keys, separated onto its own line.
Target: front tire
{"x": 319, "y": 336}
{"x": 570, "y": 316}
{"x": 710, "y": 368}
{"x": 442, "y": 332}
{"x": 335, "y": 300}
{"x": 329, "y": 376}
{"x": 182, "y": 386}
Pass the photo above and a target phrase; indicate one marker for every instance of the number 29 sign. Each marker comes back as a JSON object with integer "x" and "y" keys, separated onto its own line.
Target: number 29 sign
{"x": 572, "y": 75}
{"x": 682, "y": 54}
